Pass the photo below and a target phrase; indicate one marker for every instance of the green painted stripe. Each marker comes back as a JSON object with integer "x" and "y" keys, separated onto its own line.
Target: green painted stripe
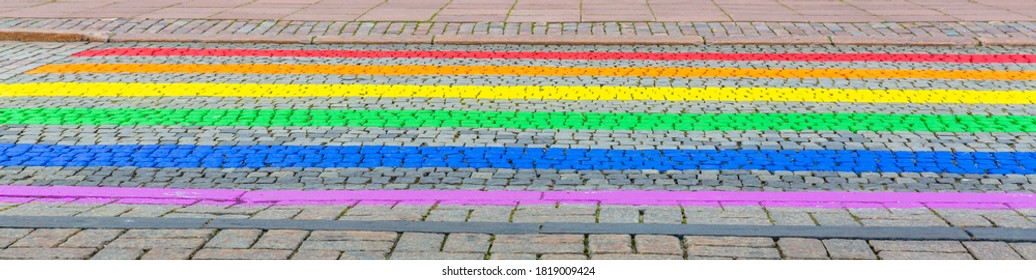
{"x": 521, "y": 120}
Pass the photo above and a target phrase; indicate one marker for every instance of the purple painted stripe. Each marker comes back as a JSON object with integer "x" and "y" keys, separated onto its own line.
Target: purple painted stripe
{"x": 21, "y": 194}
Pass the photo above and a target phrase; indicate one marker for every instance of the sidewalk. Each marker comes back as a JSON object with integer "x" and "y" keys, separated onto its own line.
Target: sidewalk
{"x": 540, "y": 22}
{"x": 532, "y": 10}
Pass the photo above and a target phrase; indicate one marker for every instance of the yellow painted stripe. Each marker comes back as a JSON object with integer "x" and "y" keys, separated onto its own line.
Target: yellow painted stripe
{"x": 538, "y": 71}
{"x": 520, "y": 92}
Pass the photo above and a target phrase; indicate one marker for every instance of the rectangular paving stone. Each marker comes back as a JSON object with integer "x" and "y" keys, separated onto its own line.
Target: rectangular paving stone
{"x": 438, "y": 215}
{"x": 435, "y": 256}
{"x": 149, "y": 211}
{"x": 991, "y": 250}
{"x": 169, "y": 233}
{"x": 658, "y": 244}
{"x": 792, "y": 219}
{"x": 36, "y": 253}
{"x": 634, "y": 257}
{"x": 537, "y": 243}
{"x": 610, "y": 243}
{"x": 220, "y": 210}
{"x": 727, "y": 216}
{"x": 419, "y": 242}
{"x": 728, "y": 241}
{"x": 385, "y": 213}
{"x": 234, "y": 238}
{"x": 157, "y": 243}
{"x": 549, "y": 213}
{"x": 109, "y": 210}
{"x": 241, "y": 254}
{"x": 905, "y": 255}
{"x": 512, "y": 256}
{"x": 964, "y": 218}
{"x": 14, "y": 233}
{"x": 733, "y": 252}
{"x": 92, "y": 238}
{"x": 363, "y": 255}
{"x": 479, "y": 213}
{"x": 320, "y": 213}
{"x": 563, "y": 257}
{"x": 46, "y": 209}
{"x": 918, "y": 246}
{"x": 802, "y": 248}
{"x": 1026, "y": 250}
{"x": 835, "y": 219}
{"x": 168, "y": 254}
{"x": 324, "y": 235}
{"x": 45, "y": 238}
{"x": 466, "y": 243}
{"x": 280, "y": 239}
{"x": 316, "y": 255}
{"x": 349, "y": 245}
{"x": 663, "y": 215}
{"x": 618, "y": 214}
{"x": 277, "y": 214}
{"x": 117, "y": 254}
{"x": 845, "y": 249}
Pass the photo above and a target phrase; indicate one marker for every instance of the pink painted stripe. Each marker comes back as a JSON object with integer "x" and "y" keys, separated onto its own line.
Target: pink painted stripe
{"x": 510, "y": 198}
{"x": 682, "y": 56}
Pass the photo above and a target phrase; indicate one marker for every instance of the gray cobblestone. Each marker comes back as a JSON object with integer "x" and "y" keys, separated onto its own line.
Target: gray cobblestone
{"x": 419, "y": 242}
{"x": 658, "y": 244}
{"x": 117, "y": 254}
{"x": 92, "y": 238}
{"x": 241, "y": 254}
{"x": 1026, "y": 250}
{"x": 280, "y": 239}
{"x": 905, "y": 255}
{"x": 991, "y": 251}
{"x": 46, "y": 253}
{"x": 537, "y": 244}
{"x": 316, "y": 255}
{"x": 168, "y": 254}
{"x": 842, "y": 249}
{"x": 435, "y": 256}
{"x": 466, "y": 243}
{"x": 801, "y": 248}
{"x": 234, "y": 238}
{"x": 44, "y": 238}
{"x": 919, "y": 246}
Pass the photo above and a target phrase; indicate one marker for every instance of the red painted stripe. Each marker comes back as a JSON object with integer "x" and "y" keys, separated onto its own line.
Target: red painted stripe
{"x": 817, "y": 57}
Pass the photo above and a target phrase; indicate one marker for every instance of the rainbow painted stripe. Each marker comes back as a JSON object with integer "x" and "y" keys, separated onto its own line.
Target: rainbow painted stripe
{"x": 520, "y": 92}
{"x": 812, "y": 57}
{"x": 413, "y": 70}
{"x": 189, "y": 156}
{"x": 519, "y": 120}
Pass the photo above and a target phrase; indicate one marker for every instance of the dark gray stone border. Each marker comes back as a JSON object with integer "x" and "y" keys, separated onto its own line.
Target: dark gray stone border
{"x": 1003, "y": 234}
{"x": 821, "y": 232}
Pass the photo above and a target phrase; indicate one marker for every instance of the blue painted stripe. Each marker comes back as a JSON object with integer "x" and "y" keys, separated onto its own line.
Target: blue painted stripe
{"x": 517, "y": 158}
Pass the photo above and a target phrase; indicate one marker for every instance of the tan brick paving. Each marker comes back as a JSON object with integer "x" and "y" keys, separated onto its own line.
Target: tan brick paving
{"x": 533, "y": 10}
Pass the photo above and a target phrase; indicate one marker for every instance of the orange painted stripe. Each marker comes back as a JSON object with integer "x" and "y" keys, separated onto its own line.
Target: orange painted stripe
{"x": 404, "y": 70}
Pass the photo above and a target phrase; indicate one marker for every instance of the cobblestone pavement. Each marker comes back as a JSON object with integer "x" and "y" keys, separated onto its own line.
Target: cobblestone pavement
{"x": 190, "y": 150}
